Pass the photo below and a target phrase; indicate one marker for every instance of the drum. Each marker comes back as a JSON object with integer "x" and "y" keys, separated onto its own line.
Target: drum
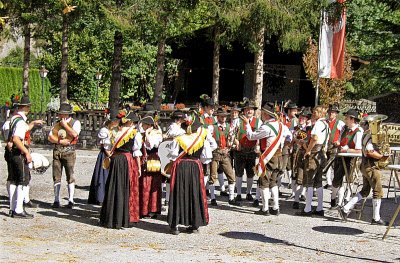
{"x": 163, "y": 155}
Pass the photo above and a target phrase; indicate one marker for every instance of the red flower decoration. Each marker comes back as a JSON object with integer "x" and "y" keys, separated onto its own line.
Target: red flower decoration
{"x": 107, "y": 111}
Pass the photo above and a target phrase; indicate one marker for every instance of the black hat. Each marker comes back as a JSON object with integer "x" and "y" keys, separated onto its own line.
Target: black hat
{"x": 249, "y": 104}
{"x": 195, "y": 124}
{"x": 206, "y": 100}
{"x": 353, "y": 113}
{"x": 306, "y": 113}
{"x": 133, "y": 117}
{"x": 269, "y": 108}
{"x": 24, "y": 101}
{"x": 178, "y": 115}
{"x": 334, "y": 107}
{"x": 65, "y": 108}
{"x": 291, "y": 105}
{"x": 148, "y": 108}
{"x": 235, "y": 107}
{"x": 147, "y": 120}
{"x": 221, "y": 111}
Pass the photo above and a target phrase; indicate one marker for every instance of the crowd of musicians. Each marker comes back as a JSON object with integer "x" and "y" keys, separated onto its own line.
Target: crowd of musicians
{"x": 203, "y": 146}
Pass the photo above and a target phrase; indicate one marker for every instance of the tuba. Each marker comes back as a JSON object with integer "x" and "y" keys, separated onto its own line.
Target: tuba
{"x": 379, "y": 137}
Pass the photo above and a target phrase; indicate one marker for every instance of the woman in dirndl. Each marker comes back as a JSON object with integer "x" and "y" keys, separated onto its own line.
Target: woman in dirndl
{"x": 105, "y": 139}
{"x": 188, "y": 200}
{"x": 150, "y": 183}
{"x": 121, "y": 201}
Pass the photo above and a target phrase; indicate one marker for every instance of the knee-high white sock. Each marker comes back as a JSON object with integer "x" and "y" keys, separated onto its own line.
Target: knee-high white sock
{"x": 297, "y": 193}
{"x": 341, "y": 195}
{"x": 334, "y": 193}
{"x": 249, "y": 185}
{"x": 303, "y": 190}
{"x": 353, "y": 201}
{"x": 289, "y": 173}
{"x": 275, "y": 197}
{"x": 71, "y": 191}
{"x": 212, "y": 191}
{"x": 239, "y": 185}
{"x": 376, "y": 207}
{"x": 348, "y": 195}
{"x": 320, "y": 195}
{"x": 329, "y": 176}
{"x": 167, "y": 191}
{"x": 26, "y": 194}
{"x": 309, "y": 197}
{"x": 294, "y": 187}
{"x": 258, "y": 193}
{"x": 12, "y": 196}
{"x": 221, "y": 182}
{"x": 231, "y": 189}
{"x": 57, "y": 188}
{"x": 206, "y": 181}
{"x": 279, "y": 180}
{"x": 20, "y": 199}
{"x": 265, "y": 198}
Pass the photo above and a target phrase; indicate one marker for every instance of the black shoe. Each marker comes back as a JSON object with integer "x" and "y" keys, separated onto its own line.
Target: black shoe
{"x": 30, "y": 204}
{"x": 207, "y": 192}
{"x": 274, "y": 212}
{"x": 328, "y": 186}
{"x": 318, "y": 213}
{"x": 333, "y": 204}
{"x": 302, "y": 198}
{"x": 193, "y": 230}
{"x": 153, "y": 215}
{"x": 280, "y": 194}
{"x": 214, "y": 202}
{"x": 166, "y": 203}
{"x": 238, "y": 198}
{"x": 296, "y": 205}
{"x": 256, "y": 203}
{"x": 290, "y": 197}
{"x": 342, "y": 213}
{"x": 175, "y": 230}
{"x": 23, "y": 215}
{"x": 302, "y": 213}
{"x": 56, "y": 205}
{"x": 234, "y": 202}
{"x": 249, "y": 197}
{"x": 224, "y": 193}
{"x": 10, "y": 213}
{"x": 261, "y": 212}
{"x": 70, "y": 205}
{"x": 380, "y": 222}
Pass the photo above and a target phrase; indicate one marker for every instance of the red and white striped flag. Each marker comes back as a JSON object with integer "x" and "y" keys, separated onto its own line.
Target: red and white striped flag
{"x": 332, "y": 45}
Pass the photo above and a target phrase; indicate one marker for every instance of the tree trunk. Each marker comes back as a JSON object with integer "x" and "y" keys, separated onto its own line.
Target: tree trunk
{"x": 216, "y": 55}
{"x": 158, "y": 87}
{"x": 27, "y": 59}
{"x": 64, "y": 61}
{"x": 259, "y": 68}
{"x": 115, "y": 89}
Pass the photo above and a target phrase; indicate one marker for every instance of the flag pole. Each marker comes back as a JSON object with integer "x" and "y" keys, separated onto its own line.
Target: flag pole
{"x": 319, "y": 50}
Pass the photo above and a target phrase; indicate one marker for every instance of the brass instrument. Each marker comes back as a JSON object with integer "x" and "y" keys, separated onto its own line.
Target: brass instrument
{"x": 379, "y": 137}
{"x": 232, "y": 136}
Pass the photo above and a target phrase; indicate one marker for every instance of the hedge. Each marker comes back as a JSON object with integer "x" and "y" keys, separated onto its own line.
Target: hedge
{"x": 11, "y": 83}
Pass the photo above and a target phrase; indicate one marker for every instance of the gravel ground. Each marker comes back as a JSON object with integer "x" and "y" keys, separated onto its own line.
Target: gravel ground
{"x": 233, "y": 235}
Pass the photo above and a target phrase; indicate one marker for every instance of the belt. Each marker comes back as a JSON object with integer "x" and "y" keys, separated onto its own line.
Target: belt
{"x": 62, "y": 148}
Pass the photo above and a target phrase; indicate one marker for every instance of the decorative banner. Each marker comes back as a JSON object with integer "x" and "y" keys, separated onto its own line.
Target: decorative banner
{"x": 393, "y": 132}
{"x": 332, "y": 41}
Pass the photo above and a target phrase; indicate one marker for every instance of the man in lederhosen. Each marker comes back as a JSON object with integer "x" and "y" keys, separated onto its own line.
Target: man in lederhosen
{"x": 314, "y": 160}
{"x": 371, "y": 180}
{"x": 221, "y": 157}
{"x": 350, "y": 142}
{"x": 336, "y": 127}
{"x": 291, "y": 121}
{"x": 271, "y": 137}
{"x": 64, "y": 136}
{"x": 18, "y": 158}
{"x": 301, "y": 138}
{"x": 245, "y": 156}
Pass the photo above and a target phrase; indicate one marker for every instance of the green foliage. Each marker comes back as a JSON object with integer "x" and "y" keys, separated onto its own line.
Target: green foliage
{"x": 374, "y": 35}
{"x": 11, "y": 83}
